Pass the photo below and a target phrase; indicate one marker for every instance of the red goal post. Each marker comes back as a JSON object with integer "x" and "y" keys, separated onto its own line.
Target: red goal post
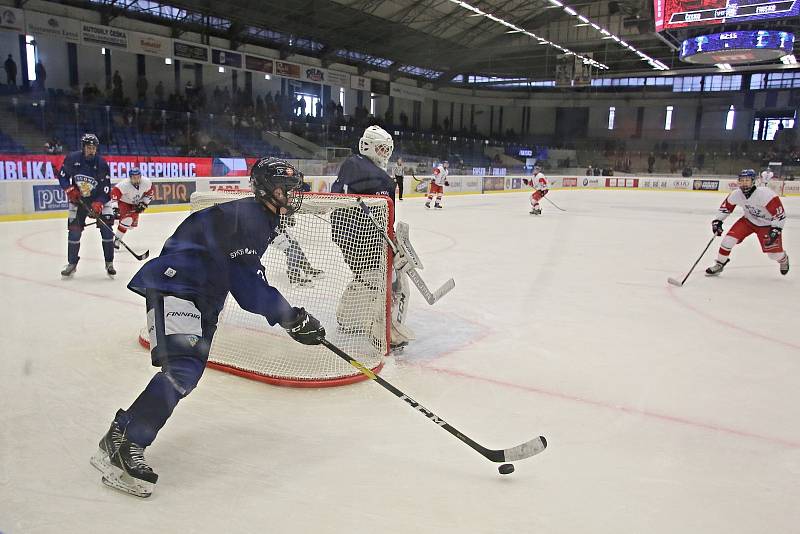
{"x": 351, "y": 298}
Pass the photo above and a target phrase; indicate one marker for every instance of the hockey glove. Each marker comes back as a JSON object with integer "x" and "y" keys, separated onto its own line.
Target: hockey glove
{"x": 140, "y": 207}
{"x": 304, "y": 328}
{"x": 773, "y": 236}
{"x": 115, "y": 212}
{"x": 97, "y": 209}
{"x": 716, "y": 227}
{"x": 73, "y": 194}
{"x": 525, "y": 181}
{"x": 446, "y": 183}
{"x": 545, "y": 191}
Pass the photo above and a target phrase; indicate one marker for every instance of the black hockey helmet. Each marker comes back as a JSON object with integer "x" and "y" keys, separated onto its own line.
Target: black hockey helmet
{"x": 271, "y": 175}
{"x": 89, "y": 139}
{"x": 747, "y": 181}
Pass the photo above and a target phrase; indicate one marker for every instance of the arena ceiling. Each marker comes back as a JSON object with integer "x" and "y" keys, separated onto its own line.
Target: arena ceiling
{"x": 438, "y": 39}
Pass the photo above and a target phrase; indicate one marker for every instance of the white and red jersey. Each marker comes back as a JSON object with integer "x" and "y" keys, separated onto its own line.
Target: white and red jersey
{"x": 539, "y": 182}
{"x": 763, "y": 208}
{"x": 439, "y": 175}
{"x": 127, "y": 193}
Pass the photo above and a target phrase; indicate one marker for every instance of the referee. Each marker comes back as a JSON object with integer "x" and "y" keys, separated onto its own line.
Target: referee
{"x": 397, "y": 171}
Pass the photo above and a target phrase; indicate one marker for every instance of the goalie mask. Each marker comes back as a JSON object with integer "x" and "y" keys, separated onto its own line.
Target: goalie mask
{"x": 747, "y": 182}
{"x": 377, "y": 145}
{"x": 278, "y": 185}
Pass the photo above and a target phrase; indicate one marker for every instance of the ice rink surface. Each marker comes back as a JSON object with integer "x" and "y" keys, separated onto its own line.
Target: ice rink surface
{"x": 666, "y": 409}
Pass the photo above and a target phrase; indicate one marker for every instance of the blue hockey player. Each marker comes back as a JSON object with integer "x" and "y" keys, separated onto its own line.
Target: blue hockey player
{"x": 85, "y": 179}
{"x": 213, "y": 252}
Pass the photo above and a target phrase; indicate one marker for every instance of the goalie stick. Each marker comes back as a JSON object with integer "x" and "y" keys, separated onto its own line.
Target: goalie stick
{"x": 680, "y": 284}
{"x": 520, "y": 452}
{"x": 411, "y": 255}
{"x": 99, "y": 221}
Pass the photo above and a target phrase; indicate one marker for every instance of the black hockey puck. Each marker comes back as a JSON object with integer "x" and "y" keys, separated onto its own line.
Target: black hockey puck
{"x": 506, "y": 469}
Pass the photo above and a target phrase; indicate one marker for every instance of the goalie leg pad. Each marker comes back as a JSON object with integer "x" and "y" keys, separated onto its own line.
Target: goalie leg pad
{"x": 401, "y": 296}
{"x": 356, "y": 312}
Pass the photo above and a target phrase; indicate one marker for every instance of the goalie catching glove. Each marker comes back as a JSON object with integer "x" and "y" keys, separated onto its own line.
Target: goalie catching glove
{"x": 304, "y": 328}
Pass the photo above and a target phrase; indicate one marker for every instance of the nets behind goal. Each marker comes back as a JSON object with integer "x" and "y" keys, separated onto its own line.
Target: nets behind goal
{"x": 350, "y": 297}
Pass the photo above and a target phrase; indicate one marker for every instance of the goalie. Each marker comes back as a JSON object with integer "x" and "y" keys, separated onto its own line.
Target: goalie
{"x": 361, "y": 308}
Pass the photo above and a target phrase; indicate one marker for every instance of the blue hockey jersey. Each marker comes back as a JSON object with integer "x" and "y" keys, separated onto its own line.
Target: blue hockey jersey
{"x": 360, "y": 176}
{"x": 91, "y": 177}
{"x": 216, "y": 251}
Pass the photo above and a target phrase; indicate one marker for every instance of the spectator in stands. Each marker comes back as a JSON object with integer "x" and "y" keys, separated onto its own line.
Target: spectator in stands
{"x": 589, "y": 171}
{"x": 141, "y": 88}
{"x": 11, "y": 71}
{"x": 159, "y": 92}
{"x": 403, "y": 120}
{"x": 116, "y": 91}
{"x": 41, "y": 75}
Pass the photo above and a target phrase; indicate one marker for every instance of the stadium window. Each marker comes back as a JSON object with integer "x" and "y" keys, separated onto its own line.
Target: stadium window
{"x": 730, "y": 118}
{"x": 30, "y": 56}
{"x": 757, "y": 81}
{"x": 372, "y": 104}
{"x": 341, "y": 97}
{"x": 668, "y": 119}
{"x": 612, "y": 112}
{"x": 309, "y": 105}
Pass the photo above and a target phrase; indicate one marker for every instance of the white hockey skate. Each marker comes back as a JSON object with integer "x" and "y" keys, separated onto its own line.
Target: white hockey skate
{"x": 716, "y": 269}
{"x": 785, "y": 265}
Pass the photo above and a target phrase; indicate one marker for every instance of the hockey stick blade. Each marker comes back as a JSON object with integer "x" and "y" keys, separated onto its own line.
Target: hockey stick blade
{"x": 554, "y": 204}
{"x": 520, "y": 452}
{"x": 680, "y": 284}
{"x": 99, "y": 221}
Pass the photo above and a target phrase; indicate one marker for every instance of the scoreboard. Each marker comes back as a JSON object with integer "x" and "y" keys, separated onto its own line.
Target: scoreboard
{"x": 671, "y": 14}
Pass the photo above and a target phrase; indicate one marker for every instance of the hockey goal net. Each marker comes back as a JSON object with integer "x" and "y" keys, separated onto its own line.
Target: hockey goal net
{"x": 351, "y": 296}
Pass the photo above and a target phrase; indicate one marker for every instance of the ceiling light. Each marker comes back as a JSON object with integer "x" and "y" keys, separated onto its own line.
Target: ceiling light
{"x": 724, "y": 67}
{"x": 570, "y": 11}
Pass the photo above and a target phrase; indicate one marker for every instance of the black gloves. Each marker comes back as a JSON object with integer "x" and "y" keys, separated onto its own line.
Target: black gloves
{"x": 773, "y": 236}
{"x": 304, "y": 328}
{"x": 716, "y": 227}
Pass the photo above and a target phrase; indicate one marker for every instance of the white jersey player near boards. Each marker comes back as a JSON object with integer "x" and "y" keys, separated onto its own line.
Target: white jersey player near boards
{"x": 437, "y": 185}
{"x": 763, "y": 216}
{"x": 129, "y": 198}
{"x": 541, "y": 186}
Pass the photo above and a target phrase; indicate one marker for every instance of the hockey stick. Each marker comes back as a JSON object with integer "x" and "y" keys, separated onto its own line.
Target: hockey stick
{"x": 430, "y": 297}
{"x": 680, "y": 284}
{"x": 520, "y": 452}
{"x": 99, "y": 220}
{"x": 554, "y": 204}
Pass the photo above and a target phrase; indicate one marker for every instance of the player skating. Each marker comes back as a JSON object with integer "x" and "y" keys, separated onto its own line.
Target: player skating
{"x": 85, "y": 179}
{"x": 129, "y": 198}
{"x": 213, "y": 252}
{"x": 356, "y": 236}
{"x": 766, "y": 176}
{"x": 541, "y": 186}
{"x": 763, "y": 216}
{"x": 437, "y": 185}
